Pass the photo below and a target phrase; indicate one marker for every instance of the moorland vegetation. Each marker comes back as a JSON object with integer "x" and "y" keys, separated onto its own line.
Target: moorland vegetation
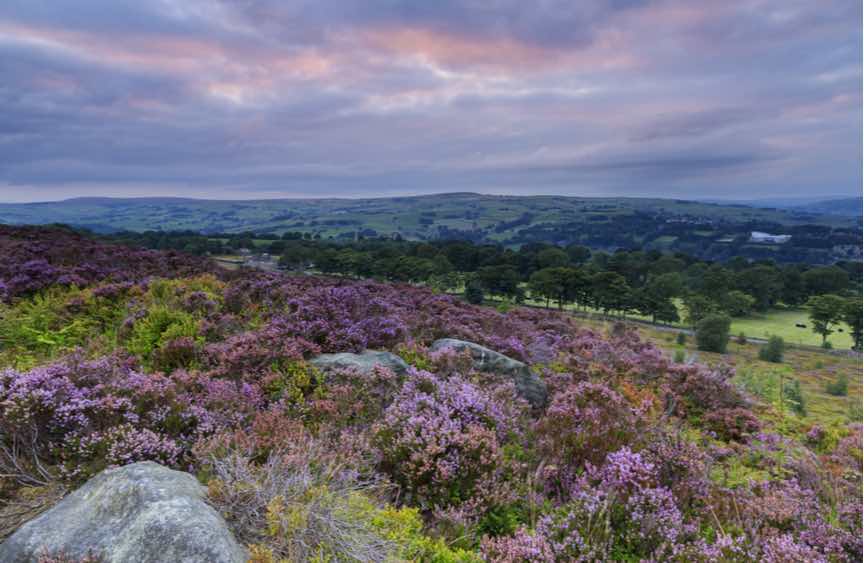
{"x": 112, "y": 355}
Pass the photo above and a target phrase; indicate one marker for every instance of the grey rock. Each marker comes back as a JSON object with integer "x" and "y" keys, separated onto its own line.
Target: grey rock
{"x": 139, "y": 513}
{"x": 528, "y": 384}
{"x": 364, "y": 362}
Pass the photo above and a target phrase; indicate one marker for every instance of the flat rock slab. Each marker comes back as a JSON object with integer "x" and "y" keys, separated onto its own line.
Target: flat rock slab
{"x": 139, "y": 513}
{"x": 364, "y": 362}
{"x": 528, "y": 384}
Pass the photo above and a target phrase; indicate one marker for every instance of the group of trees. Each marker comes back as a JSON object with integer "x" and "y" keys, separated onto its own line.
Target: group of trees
{"x": 648, "y": 283}
{"x": 829, "y": 310}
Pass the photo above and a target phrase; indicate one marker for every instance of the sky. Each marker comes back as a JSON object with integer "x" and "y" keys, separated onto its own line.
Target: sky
{"x": 231, "y": 99}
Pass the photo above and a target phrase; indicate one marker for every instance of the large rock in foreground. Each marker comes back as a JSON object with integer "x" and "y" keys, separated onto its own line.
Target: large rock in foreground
{"x": 363, "y": 363}
{"x": 528, "y": 384}
{"x": 140, "y": 513}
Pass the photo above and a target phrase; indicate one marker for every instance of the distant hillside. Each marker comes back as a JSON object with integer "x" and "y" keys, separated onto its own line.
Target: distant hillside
{"x": 707, "y": 230}
{"x": 848, "y": 207}
{"x": 413, "y": 217}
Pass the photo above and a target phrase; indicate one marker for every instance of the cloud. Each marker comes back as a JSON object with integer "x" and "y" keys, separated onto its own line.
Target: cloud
{"x": 641, "y": 97}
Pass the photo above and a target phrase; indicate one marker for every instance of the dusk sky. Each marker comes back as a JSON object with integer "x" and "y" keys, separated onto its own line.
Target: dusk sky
{"x": 274, "y": 98}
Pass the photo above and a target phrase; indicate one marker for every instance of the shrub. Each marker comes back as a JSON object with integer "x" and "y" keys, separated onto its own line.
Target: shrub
{"x": 681, "y": 339}
{"x": 616, "y": 512}
{"x": 159, "y": 326}
{"x": 306, "y": 500}
{"x": 694, "y": 389}
{"x": 741, "y": 339}
{"x": 256, "y": 353}
{"x": 474, "y": 293}
{"x": 441, "y": 439}
{"x": 404, "y": 527}
{"x": 297, "y": 507}
{"x": 732, "y": 424}
{"x": 794, "y": 397}
{"x": 582, "y": 425}
{"x": 349, "y": 318}
{"x": 773, "y": 351}
{"x": 839, "y": 387}
{"x": 680, "y": 356}
{"x": 712, "y": 333}
{"x": 352, "y": 398}
{"x": 525, "y": 546}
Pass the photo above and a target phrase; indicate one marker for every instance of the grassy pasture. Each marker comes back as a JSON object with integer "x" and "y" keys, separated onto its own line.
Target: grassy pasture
{"x": 775, "y": 322}
{"x": 781, "y": 322}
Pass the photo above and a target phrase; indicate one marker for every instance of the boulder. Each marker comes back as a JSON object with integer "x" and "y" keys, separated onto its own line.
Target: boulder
{"x": 139, "y": 513}
{"x": 364, "y": 362}
{"x": 528, "y": 384}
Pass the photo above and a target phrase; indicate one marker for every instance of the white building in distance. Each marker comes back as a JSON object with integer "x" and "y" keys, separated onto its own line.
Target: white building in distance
{"x": 758, "y": 236}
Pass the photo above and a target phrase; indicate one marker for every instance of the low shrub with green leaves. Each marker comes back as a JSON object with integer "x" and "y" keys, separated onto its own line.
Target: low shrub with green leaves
{"x": 773, "y": 350}
{"x": 839, "y": 387}
{"x": 712, "y": 333}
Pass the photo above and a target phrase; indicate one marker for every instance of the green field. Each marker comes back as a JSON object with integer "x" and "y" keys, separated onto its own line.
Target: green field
{"x": 782, "y": 323}
{"x": 776, "y": 322}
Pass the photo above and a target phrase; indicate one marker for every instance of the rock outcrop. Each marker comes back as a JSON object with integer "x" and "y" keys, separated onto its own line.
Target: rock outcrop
{"x": 364, "y": 362}
{"x": 528, "y": 384}
{"x": 139, "y": 513}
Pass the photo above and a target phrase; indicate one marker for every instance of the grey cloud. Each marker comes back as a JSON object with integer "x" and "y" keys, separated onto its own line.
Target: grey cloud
{"x": 738, "y": 104}
{"x": 694, "y": 124}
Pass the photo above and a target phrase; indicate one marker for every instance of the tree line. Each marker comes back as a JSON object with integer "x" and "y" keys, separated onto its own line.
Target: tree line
{"x": 648, "y": 283}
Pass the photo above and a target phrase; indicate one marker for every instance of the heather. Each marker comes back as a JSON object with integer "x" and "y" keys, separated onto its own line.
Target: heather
{"x": 634, "y": 456}
{"x": 38, "y": 257}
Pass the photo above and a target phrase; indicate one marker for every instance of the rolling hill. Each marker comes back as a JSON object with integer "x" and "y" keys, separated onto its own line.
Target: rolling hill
{"x": 421, "y": 217}
{"x": 706, "y": 230}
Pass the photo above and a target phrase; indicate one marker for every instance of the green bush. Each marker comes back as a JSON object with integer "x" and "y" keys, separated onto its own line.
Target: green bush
{"x": 795, "y": 398}
{"x": 681, "y": 339}
{"x": 773, "y": 351}
{"x": 157, "y": 328}
{"x": 712, "y": 333}
{"x": 474, "y": 293}
{"x": 680, "y": 356}
{"x": 856, "y": 413}
{"x": 839, "y": 387}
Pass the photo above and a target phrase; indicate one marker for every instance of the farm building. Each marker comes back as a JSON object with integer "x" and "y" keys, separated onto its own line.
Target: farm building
{"x": 758, "y": 236}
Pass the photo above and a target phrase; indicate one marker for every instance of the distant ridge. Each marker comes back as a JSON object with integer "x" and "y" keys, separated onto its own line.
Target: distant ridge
{"x": 484, "y": 216}
{"x": 836, "y": 205}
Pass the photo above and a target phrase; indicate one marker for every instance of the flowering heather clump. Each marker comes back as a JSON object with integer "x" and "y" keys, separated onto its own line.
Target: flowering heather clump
{"x": 345, "y": 318}
{"x": 121, "y": 445}
{"x": 353, "y": 398}
{"x": 522, "y": 547}
{"x": 441, "y": 439}
{"x": 682, "y": 467}
{"x": 697, "y": 389}
{"x": 732, "y": 424}
{"x": 255, "y": 353}
{"x": 110, "y": 355}
{"x": 582, "y": 424}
